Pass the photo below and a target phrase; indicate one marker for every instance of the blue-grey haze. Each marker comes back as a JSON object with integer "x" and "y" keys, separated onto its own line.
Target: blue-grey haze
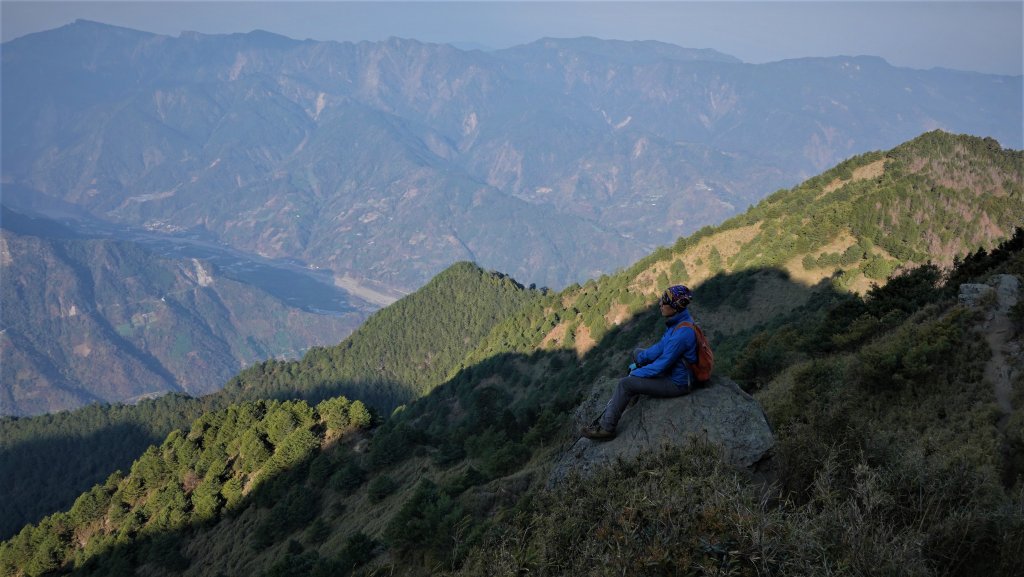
{"x": 975, "y": 36}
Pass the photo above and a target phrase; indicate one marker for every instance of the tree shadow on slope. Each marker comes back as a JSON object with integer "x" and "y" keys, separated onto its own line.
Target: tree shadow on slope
{"x": 47, "y": 461}
{"x": 70, "y": 464}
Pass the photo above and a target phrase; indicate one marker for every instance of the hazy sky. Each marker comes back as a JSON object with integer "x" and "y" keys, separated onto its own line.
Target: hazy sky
{"x": 979, "y": 36}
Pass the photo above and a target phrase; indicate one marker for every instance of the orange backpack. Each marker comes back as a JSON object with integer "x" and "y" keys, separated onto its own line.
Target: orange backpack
{"x": 705, "y": 356}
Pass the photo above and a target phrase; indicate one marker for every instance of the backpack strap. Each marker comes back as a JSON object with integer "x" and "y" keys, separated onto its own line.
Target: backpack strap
{"x": 696, "y": 344}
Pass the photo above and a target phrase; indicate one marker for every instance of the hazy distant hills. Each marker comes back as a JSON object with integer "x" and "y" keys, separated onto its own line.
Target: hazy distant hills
{"x": 554, "y": 161}
{"x": 93, "y": 320}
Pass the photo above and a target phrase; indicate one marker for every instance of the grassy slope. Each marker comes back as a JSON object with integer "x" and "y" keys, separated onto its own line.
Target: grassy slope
{"x": 894, "y": 459}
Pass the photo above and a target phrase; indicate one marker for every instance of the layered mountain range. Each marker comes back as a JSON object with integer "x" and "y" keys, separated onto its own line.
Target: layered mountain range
{"x": 896, "y": 413}
{"x": 554, "y": 161}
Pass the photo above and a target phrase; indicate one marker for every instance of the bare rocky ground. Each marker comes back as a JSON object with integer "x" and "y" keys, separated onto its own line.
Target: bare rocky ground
{"x": 998, "y": 296}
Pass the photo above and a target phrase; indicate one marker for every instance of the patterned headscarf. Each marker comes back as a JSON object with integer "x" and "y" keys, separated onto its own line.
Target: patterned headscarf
{"x": 678, "y": 296}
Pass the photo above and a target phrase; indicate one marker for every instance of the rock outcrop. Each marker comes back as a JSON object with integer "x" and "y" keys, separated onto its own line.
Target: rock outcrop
{"x": 974, "y": 294}
{"x": 720, "y": 413}
{"x": 1003, "y": 289}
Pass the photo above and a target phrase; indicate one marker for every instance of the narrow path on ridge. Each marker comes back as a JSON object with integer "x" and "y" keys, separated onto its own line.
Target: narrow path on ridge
{"x": 998, "y": 331}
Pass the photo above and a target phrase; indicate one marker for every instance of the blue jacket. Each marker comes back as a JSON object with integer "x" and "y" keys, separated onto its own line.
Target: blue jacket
{"x": 664, "y": 358}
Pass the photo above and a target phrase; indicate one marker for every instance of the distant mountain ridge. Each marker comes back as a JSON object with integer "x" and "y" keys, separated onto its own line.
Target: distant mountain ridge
{"x": 554, "y": 161}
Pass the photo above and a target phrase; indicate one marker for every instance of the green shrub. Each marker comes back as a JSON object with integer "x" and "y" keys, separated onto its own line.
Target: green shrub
{"x": 348, "y": 478}
{"x": 380, "y": 487}
{"x": 358, "y": 551}
{"x": 425, "y": 523}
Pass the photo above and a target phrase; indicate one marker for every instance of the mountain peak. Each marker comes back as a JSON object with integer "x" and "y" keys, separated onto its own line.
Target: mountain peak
{"x": 82, "y": 30}
{"x": 86, "y": 24}
{"x": 266, "y": 39}
{"x": 625, "y": 51}
{"x": 841, "y": 62}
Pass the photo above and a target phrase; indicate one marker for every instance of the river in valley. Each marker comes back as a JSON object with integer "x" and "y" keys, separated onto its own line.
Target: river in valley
{"x": 289, "y": 280}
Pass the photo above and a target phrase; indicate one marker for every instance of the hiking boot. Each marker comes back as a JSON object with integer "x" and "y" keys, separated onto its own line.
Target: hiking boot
{"x": 597, "y": 433}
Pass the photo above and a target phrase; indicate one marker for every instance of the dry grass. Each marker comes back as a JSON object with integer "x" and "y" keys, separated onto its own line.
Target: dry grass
{"x": 555, "y": 337}
{"x": 617, "y": 314}
{"x": 860, "y": 285}
{"x": 866, "y": 172}
{"x": 569, "y": 299}
{"x": 584, "y": 342}
{"x": 727, "y": 242}
{"x": 795, "y": 267}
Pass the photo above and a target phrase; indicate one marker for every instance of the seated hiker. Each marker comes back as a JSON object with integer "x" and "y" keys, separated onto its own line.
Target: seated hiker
{"x": 660, "y": 370}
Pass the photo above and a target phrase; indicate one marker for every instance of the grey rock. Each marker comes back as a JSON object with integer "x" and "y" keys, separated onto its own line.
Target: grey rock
{"x": 1007, "y": 287}
{"x": 1001, "y": 290}
{"x": 720, "y": 413}
{"x": 973, "y": 294}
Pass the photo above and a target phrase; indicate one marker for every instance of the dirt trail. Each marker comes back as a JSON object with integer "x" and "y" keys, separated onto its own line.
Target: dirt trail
{"x": 998, "y": 331}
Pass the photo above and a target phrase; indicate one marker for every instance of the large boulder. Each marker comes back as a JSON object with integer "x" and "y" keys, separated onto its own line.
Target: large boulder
{"x": 721, "y": 413}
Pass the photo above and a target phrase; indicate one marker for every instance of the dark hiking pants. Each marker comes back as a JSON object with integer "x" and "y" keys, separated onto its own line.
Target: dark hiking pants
{"x": 630, "y": 387}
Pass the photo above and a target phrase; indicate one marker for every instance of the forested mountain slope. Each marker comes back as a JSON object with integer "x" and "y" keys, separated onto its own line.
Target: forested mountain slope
{"x": 935, "y": 198}
{"x": 101, "y": 321}
{"x": 398, "y": 354}
{"x": 391, "y": 160}
{"x": 894, "y": 456}
{"x": 403, "y": 351}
